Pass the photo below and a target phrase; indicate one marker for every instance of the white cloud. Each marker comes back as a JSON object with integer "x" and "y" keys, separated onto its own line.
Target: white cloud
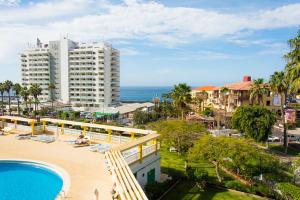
{"x": 42, "y": 12}
{"x": 147, "y": 21}
{"x": 129, "y": 52}
{"x": 9, "y": 2}
{"x": 202, "y": 55}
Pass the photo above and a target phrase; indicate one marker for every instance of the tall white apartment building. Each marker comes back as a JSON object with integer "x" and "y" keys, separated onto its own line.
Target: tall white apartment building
{"x": 85, "y": 75}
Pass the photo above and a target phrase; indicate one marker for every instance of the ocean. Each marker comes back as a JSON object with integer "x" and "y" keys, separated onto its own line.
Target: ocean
{"x": 141, "y": 93}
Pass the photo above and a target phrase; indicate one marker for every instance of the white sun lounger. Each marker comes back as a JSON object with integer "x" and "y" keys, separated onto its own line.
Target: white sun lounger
{"x": 44, "y": 138}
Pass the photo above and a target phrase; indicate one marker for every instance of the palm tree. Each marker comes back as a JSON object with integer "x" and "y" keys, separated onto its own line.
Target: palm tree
{"x": 294, "y": 74}
{"x": 17, "y": 88}
{"x": 8, "y": 86}
{"x": 2, "y": 90}
{"x": 203, "y": 95}
{"x": 197, "y": 101}
{"x": 181, "y": 96}
{"x": 257, "y": 91}
{"x": 52, "y": 88}
{"x": 293, "y": 63}
{"x": 30, "y": 101}
{"x": 35, "y": 90}
{"x": 279, "y": 84}
{"x": 25, "y": 95}
{"x": 225, "y": 94}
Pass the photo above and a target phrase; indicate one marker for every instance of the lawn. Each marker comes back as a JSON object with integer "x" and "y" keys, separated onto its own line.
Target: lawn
{"x": 188, "y": 191}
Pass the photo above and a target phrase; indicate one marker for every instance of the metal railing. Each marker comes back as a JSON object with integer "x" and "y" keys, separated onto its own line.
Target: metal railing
{"x": 92, "y": 135}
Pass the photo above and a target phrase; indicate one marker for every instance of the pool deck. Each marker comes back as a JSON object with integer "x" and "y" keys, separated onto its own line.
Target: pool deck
{"x": 86, "y": 169}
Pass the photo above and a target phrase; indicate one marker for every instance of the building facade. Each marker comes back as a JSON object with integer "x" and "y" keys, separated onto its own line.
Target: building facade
{"x": 238, "y": 94}
{"x": 85, "y": 75}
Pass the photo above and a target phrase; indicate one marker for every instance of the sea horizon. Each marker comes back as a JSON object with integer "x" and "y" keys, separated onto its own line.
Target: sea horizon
{"x": 142, "y": 93}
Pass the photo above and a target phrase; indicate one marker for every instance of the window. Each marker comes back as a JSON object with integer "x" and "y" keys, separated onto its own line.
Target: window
{"x": 268, "y": 103}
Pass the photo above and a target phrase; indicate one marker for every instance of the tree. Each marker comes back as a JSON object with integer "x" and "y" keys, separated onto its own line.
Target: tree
{"x": 140, "y": 117}
{"x": 199, "y": 176}
{"x": 167, "y": 109}
{"x": 197, "y": 101}
{"x": 35, "y": 90}
{"x": 294, "y": 74}
{"x": 52, "y": 88}
{"x": 30, "y": 102}
{"x": 75, "y": 115}
{"x": 25, "y": 95}
{"x": 257, "y": 91}
{"x": 279, "y": 84}
{"x": 178, "y": 133}
{"x": 2, "y": 90}
{"x": 225, "y": 94}
{"x": 181, "y": 96}
{"x": 211, "y": 149}
{"x": 203, "y": 95}
{"x": 255, "y": 121}
{"x": 293, "y": 62}
{"x": 239, "y": 156}
{"x": 17, "y": 88}
{"x": 208, "y": 112}
{"x": 8, "y": 86}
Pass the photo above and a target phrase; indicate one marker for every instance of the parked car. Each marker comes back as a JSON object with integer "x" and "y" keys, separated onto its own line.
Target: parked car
{"x": 273, "y": 139}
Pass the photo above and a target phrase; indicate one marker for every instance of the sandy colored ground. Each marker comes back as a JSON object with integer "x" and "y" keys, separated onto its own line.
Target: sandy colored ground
{"x": 86, "y": 169}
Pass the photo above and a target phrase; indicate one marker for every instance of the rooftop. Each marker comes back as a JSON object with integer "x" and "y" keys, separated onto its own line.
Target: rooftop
{"x": 245, "y": 84}
{"x": 239, "y": 85}
{"x": 205, "y": 88}
{"x": 86, "y": 169}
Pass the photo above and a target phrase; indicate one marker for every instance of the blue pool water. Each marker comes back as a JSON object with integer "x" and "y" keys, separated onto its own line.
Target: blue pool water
{"x": 28, "y": 181}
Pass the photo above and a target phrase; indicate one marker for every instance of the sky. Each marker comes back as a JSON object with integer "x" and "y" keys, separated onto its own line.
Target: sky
{"x": 161, "y": 42}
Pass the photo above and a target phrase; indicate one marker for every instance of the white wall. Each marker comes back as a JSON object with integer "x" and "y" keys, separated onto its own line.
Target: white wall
{"x": 141, "y": 169}
{"x": 107, "y": 75}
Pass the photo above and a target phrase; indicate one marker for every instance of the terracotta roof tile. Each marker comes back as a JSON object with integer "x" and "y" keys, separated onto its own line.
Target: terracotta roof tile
{"x": 205, "y": 88}
{"x": 239, "y": 85}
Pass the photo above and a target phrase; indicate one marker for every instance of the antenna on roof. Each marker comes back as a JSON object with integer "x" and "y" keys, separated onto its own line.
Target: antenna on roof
{"x": 38, "y": 43}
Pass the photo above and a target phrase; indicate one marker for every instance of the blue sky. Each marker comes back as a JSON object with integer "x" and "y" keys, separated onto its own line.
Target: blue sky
{"x": 162, "y": 42}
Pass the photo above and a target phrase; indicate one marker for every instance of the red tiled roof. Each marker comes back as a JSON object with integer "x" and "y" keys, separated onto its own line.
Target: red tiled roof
{"x": 239, "y": 86}
{"x": 205, "y": 88}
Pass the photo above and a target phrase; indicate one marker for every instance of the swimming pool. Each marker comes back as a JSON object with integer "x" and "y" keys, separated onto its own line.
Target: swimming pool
{"x": 28, "y": 181}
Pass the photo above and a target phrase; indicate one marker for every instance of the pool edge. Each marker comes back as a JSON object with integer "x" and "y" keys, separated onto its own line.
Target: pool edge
{"x": 56, "y": 169}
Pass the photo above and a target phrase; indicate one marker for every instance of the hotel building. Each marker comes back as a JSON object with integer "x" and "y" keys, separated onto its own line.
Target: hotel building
{"x": 85, "y": 75}
{"x": 238, "y": 95}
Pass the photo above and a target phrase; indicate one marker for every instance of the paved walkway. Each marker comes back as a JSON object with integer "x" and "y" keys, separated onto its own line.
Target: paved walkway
{"x": 86, "y": 169}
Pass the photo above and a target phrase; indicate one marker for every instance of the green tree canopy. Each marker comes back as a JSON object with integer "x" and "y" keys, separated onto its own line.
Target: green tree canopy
{"x": 17, "y": 88}
{"x": 279, "y": 84}
{"x": 257, "y": 91}
{"x": 293, "y": 62}
{"x": 181, "y": 97}
{"x": 241, "y": 156}
{"x": 178, "y": 133}
{"x": 35, "y": 90}
{"x": 255, "y": 121}
{"x": 8, "y": 86}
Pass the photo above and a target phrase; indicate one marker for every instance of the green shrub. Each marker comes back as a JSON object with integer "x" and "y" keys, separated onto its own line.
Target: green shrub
{"x": 208, "y": 112}
{"x": 263, "y": 190}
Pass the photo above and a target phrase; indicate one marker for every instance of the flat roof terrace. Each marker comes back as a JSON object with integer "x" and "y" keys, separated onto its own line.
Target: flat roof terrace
{"x": 86, "y": 169}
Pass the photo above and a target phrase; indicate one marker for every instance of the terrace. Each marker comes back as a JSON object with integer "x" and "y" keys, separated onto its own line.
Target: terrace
{"x": 130, "y": 149}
